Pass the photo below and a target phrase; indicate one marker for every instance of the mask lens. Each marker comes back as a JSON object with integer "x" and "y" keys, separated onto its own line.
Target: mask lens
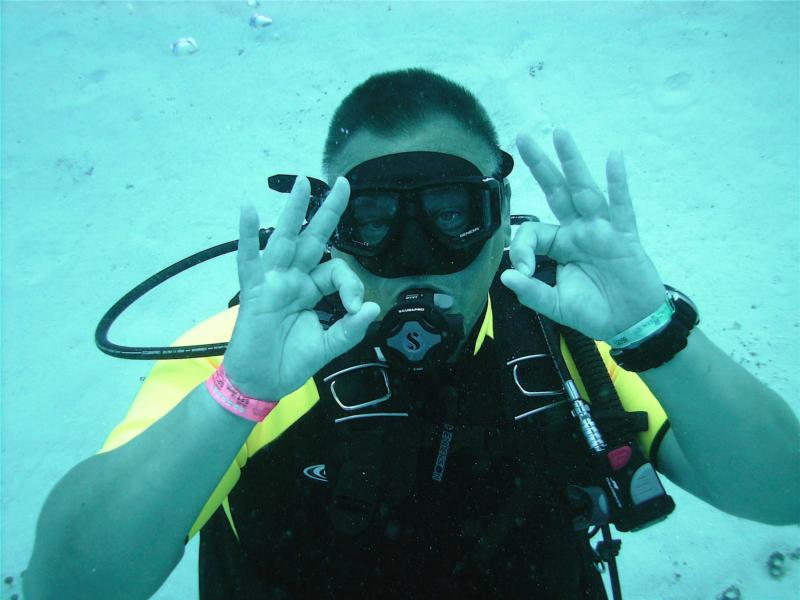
{"x": 369, "y": 218}
{"x": 457, "y": 212}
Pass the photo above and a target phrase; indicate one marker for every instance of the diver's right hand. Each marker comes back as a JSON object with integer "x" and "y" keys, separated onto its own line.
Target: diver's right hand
{"x": 278, "y": 342}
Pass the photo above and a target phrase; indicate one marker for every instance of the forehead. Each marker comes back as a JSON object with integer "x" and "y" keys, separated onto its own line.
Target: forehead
{"x": 441, "y": 135}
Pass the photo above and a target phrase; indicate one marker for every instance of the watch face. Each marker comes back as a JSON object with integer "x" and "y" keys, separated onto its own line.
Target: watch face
{"x": 684, "y": 305}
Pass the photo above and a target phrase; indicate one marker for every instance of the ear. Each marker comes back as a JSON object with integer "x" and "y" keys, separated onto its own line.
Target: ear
{"x": 505, "y": 213}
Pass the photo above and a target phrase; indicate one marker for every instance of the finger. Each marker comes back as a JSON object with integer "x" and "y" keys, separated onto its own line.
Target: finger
{"x": 521, "y": 252}
{"x": 280, "y": 251}
{"x": 620, "y": 204}
{"x": 533, "y": 293}
{"x": 586, "y": 195}
{"x": 335, "y": 275}
{"x": 549, "y": 179}
{"x": 531, "y": 239}
{"x": 349, "y": 330}
{"x": 248, "y": 258}
{"x": 315, "y": 237}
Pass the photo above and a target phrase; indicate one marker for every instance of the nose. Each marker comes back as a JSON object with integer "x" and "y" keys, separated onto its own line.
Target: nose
{"x": 417, "y": 251}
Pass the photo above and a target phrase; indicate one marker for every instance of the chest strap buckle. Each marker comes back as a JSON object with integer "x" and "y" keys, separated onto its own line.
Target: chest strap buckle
{"x": 355, "y": 375}
{"x": 534, "y": 394}
{"x": 332, "y": 379}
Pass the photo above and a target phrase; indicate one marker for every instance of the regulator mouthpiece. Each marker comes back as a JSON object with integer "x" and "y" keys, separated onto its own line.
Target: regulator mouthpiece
{"x": 417, "y": 335}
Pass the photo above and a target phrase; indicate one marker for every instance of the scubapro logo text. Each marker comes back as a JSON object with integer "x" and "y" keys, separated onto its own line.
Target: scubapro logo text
{"x": 441, "y": 458}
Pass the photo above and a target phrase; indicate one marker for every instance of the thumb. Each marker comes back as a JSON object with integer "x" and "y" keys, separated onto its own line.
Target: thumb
{"x": 349, "y": 330}
{"x": 532, "y": 292}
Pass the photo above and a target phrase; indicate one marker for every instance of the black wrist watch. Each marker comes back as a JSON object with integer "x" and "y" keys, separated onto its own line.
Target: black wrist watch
{"x": 665, "y": 343}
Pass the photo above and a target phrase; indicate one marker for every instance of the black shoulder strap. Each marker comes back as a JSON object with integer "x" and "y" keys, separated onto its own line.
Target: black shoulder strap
{"x": 529, "y": 345}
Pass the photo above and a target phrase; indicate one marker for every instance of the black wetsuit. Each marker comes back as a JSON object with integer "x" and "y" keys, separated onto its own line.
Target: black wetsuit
{"x": 427, "y": 545}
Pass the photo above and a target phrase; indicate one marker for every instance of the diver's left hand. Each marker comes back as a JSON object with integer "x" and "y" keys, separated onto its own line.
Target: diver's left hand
{"x": 605, "y": 282}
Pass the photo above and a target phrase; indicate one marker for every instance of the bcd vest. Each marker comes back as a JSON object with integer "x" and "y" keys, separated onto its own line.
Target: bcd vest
{"x": 447, "y": 465}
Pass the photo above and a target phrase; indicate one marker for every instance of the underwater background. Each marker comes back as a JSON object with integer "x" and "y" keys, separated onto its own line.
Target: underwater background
{"x": 121, "y": 157}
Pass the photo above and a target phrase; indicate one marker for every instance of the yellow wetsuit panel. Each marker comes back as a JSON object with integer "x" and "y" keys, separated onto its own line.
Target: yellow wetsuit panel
{"x": 170, "y": 381}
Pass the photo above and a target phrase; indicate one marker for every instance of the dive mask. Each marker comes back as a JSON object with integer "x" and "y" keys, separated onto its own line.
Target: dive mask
{"x": 414, "y": 213}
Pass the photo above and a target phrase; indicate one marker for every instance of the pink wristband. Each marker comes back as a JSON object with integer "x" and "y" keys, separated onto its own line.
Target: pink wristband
{"x": 231, "y": 399}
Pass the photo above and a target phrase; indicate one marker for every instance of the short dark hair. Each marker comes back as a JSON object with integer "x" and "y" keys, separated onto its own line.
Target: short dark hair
{"x": 397, "y": 102}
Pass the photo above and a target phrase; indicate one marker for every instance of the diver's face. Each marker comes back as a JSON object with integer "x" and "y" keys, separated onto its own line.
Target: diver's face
{"x": 468, "y": 287}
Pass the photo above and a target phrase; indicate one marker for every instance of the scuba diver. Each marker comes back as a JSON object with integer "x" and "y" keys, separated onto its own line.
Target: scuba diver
{"x": 403, "y": 401}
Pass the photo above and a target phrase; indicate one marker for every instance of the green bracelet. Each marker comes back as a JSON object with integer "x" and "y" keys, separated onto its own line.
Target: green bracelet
{"x": 646, "y": 327}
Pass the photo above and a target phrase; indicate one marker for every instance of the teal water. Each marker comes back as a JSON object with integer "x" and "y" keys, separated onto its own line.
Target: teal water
{"x": 120, "y": 158}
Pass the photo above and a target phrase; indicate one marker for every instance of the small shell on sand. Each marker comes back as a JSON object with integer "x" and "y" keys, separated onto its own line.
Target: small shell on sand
{"x": 184, "y": 46}
{"x": 260, "y": 21}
